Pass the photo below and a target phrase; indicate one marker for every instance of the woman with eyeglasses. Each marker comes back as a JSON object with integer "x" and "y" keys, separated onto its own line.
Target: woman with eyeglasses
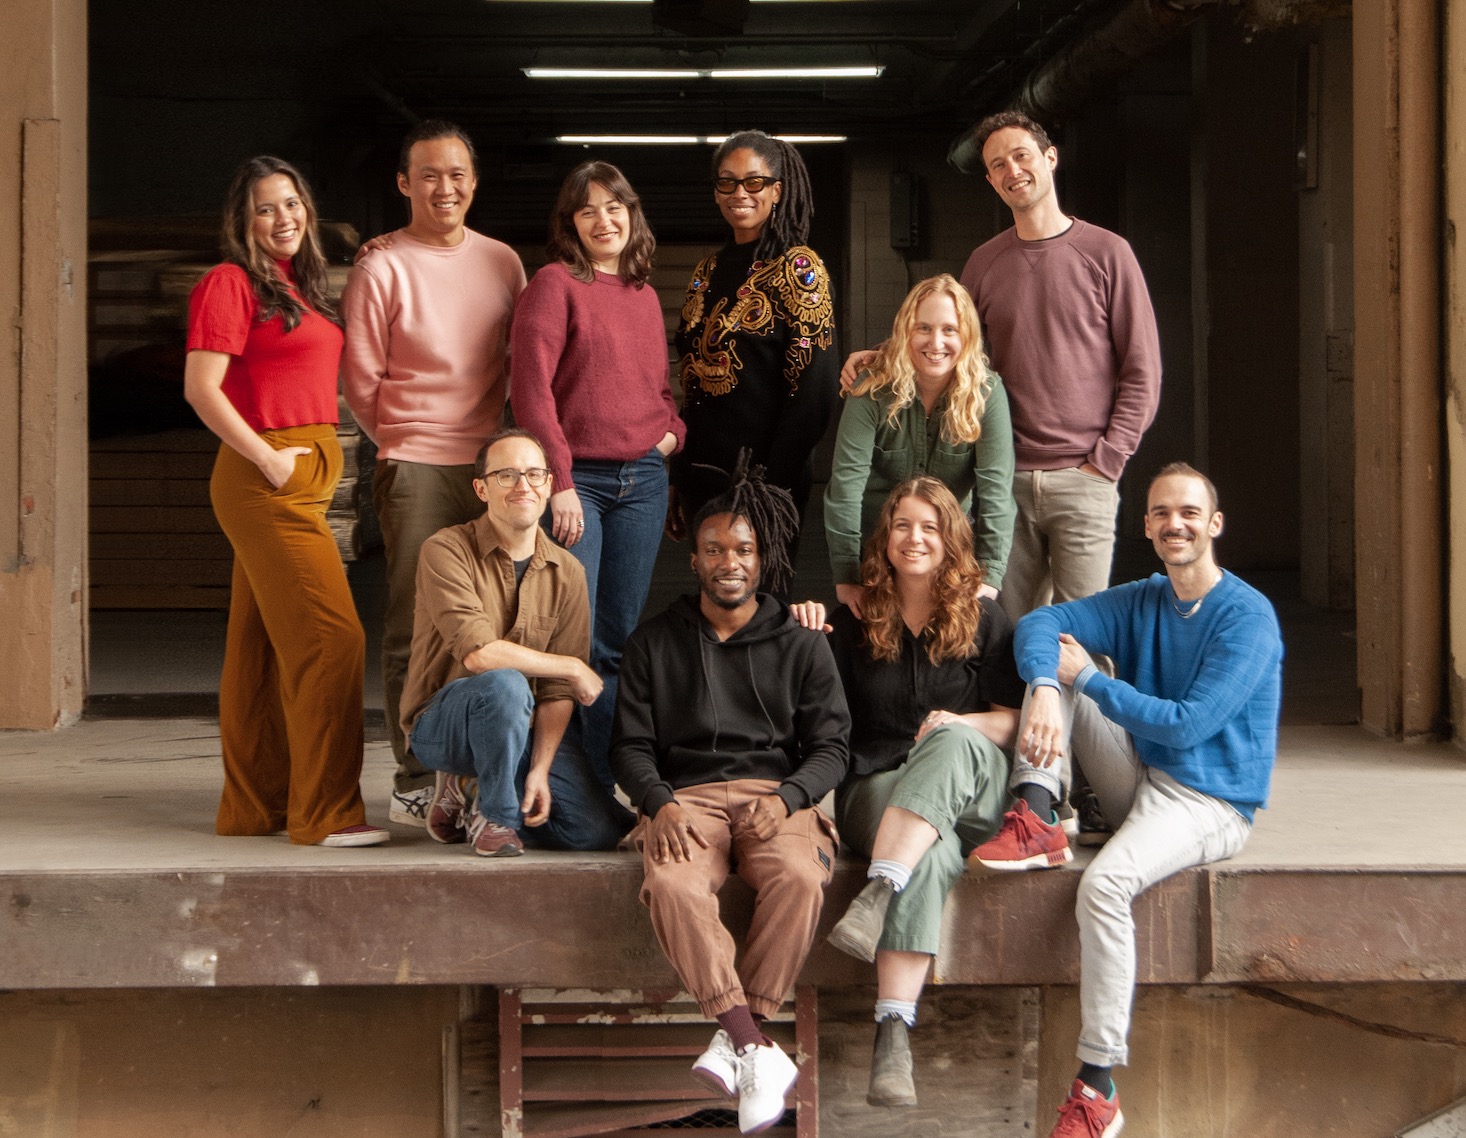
{"x": 588, "y": 376}
{"x": 264, "y": 346}
{"x": 929, "y": 404}
{"x": 759, "y": 363}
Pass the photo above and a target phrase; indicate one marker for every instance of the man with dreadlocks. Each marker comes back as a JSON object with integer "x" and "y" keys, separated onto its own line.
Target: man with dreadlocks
{"x": 731, "y": 724}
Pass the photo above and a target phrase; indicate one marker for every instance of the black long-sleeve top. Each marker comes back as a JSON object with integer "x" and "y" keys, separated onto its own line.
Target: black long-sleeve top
{"x": 889, "y": 698}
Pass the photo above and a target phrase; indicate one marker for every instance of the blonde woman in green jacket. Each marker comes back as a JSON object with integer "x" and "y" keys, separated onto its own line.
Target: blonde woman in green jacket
{"x": 928, "y": 405}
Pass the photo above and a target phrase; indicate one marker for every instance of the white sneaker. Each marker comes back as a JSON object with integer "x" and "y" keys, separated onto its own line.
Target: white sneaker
{"x": 410, "y": 807}
{"x": 717, "y": 1067}
{"x": 765, "y": 1075}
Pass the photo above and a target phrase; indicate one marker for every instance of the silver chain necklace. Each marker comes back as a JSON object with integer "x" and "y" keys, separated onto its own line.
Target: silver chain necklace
{"x": 1188, "y": 613}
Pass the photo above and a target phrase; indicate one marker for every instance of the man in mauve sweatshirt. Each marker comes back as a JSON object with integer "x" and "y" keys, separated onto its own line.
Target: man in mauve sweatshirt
{"x": 427, "y": 312}
{"x": 1070, "y": 328}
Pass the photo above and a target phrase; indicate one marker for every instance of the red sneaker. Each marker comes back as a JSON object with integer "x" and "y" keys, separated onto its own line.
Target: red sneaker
{"x": 1087, "y": 1114}
{"x": 447, "y": 815}
{"x": 1026, "y": 841}
{"x": 490, "y": 839}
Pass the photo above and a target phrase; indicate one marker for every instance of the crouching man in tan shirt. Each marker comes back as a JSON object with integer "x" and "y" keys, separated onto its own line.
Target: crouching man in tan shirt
{"x": 501, "y": 635}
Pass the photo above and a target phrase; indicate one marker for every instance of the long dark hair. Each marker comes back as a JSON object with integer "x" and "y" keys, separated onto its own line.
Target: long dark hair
{"x": 788, "y": 224}
{"x": 238, "y": 246}
{"x": 636, "y": 258}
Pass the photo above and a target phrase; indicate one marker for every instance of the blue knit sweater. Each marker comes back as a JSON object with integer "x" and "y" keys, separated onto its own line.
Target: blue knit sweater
{"x": 1200, "y": 696}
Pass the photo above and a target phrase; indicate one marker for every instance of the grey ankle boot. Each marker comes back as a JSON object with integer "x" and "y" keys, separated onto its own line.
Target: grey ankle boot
{"x": 859, "y": 930}
{"x": 890, "y": 1066}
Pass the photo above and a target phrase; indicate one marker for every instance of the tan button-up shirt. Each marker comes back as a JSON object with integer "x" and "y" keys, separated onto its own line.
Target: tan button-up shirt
{"x": 467, "y": 597}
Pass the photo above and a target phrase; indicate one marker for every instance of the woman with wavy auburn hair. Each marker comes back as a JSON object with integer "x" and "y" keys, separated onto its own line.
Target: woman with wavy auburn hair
{"x": 928, "y": 405}
{"x": 934, "y": 695}
{"x": 588, "y": 376}
{"x": 264, "y": 347}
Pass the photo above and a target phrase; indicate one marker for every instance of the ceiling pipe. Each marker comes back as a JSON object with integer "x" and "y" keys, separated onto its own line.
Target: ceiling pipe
{"x": 1091, "y": 60}
{"x": 1068, "y": 78}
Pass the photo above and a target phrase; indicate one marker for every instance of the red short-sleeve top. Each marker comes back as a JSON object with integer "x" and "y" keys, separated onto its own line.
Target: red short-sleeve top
{"x": 276, "y": 378}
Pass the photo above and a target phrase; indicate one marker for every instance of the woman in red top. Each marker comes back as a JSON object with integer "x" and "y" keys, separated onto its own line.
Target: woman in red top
{"x": 263, "y": 352}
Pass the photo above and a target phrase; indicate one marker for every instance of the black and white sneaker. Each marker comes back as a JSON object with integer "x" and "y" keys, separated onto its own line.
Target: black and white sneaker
{"x": 410, "y": 807}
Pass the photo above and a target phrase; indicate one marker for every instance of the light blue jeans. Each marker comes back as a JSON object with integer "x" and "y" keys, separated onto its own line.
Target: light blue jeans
{"x": 481, "y": 726}
{"x": 1161, "y": 828}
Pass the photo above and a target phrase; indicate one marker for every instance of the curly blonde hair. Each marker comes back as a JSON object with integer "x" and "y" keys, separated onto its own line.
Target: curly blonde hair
{"x": 956, "y": 610}
{"x": 971, "y": 380}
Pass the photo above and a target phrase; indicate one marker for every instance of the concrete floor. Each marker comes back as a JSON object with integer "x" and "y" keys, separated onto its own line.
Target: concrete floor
{"x": 144, "y": 792}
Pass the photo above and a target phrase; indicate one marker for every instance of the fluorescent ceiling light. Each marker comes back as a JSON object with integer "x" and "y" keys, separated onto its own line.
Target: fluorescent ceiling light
{"x": 796, "y": 72}
{"x": 608, "y": 73}
{"x": 678, "y": 139}
{"x": 631, "y": 139}
{"x": 872, "y": 72}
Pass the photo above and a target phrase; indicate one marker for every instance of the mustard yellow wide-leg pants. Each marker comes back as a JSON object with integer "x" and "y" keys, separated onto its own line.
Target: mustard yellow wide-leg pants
{"x": 290, "y": 697}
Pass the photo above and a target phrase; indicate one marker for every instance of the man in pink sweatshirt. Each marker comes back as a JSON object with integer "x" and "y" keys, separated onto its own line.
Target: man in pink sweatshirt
{"x": 424, "y": 371}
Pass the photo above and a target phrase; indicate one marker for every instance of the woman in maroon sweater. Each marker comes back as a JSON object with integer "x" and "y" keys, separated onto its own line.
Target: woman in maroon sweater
{"x": 263, "y": 351}
{"x": 588, "y": 375}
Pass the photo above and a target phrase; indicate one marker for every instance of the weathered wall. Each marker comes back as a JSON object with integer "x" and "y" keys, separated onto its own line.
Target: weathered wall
{"x": 1454, "y": 71}
{"x": 318, "y": 1063}
{"x": 43, "y": 67}
{"x": 1220, "y": 1062}
{"x": 1399, "y": 489}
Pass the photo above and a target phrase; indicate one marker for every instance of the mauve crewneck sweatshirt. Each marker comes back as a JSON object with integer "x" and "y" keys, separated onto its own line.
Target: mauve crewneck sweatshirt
{"x": 427, "y": 338}
{"x": 588, "y": 371}
{"x": 1070, "y": 328}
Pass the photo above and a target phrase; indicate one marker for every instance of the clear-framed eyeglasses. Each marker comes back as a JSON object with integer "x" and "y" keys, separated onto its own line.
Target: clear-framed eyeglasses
{"x": 507, "y": 476}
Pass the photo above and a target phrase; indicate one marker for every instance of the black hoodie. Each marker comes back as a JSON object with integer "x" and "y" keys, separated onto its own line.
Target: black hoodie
{"x": 765, "y": 703}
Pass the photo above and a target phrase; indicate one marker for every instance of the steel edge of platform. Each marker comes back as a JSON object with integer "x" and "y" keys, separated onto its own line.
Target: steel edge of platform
{"x": 578, "y": 922}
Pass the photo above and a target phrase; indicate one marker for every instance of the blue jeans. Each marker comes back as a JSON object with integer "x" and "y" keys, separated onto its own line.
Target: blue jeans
{"x": 625, "y": 505}
{"x": 480, "y": 726}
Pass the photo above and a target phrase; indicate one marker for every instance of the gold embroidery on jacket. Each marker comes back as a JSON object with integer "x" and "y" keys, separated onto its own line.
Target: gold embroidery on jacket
{"x": 792, "y": 291}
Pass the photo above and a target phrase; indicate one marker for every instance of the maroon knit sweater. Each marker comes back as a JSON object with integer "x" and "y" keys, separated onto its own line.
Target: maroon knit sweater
{"x": 1070, "y": 329}
{"x": 588, "y": 369}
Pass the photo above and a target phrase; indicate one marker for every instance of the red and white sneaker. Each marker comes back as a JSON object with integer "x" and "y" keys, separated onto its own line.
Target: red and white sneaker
{"x": 1088, "y": 1114}
{"x": 1026, "y": 841}
{"x": 361, "y": 835}
{"x": 452, "y": 798}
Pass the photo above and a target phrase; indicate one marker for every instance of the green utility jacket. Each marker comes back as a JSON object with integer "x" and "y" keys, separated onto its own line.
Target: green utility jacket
{"x": 872, "y": 457}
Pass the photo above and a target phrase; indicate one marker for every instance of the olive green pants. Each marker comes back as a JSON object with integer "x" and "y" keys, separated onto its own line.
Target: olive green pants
{"x": 957, "y": 780}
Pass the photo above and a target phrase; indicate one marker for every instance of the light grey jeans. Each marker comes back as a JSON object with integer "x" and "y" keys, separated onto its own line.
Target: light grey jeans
{"x": 1161, "y": 828}
{"x": 1063, "y": 538}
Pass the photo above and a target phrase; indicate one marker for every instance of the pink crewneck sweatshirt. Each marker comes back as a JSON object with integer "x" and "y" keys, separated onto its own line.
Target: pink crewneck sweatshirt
{"x": 427, "y": 336}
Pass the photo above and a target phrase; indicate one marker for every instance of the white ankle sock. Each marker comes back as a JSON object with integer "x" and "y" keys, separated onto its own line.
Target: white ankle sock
{"x": 893, "y": 871}
{"x": 904, "y": 1009}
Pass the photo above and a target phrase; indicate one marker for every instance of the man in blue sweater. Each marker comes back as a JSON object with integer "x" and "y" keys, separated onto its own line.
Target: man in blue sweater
{"x": 1178, "y": 746}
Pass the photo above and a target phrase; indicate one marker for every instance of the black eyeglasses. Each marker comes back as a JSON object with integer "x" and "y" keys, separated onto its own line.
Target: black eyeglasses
{"x": 754, "y": 183}
{"x": 507, "y": 476}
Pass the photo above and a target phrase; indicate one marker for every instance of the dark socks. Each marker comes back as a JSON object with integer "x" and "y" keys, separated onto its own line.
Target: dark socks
{"x": 1039, "y": 800}
{"x": 742, "y": 1030}
{"x": 1098, "y": 1078}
